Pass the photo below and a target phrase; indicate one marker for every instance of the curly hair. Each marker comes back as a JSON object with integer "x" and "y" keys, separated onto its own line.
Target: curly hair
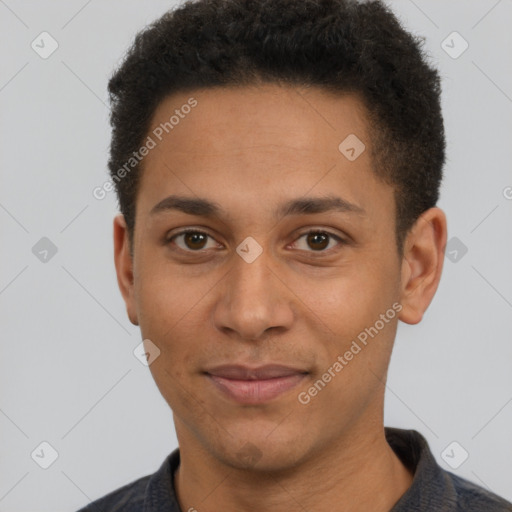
{"x": 337, "y": 45}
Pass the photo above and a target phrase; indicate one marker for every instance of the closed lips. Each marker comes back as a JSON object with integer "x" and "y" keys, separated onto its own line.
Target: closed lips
{"x": 238, "y": 372}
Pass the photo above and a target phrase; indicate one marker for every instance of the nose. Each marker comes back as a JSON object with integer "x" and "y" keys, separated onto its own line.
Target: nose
{"x": 253, "y": 300}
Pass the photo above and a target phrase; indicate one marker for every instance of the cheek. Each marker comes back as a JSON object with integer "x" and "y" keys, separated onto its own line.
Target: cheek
{"x": 164, "y": 312}
{"x": 354, "y": 296}
{"x": 166, "y": 316}
{"x": 351, "y": 307}
{"x": 165, "y": 296}
{"x": 357, "y": 350}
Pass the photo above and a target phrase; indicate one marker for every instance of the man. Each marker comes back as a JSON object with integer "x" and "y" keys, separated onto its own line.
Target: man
{"x": 277, "y": 165}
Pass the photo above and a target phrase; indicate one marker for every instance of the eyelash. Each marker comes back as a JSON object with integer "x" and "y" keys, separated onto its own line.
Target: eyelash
{"x": 310, "y": 232}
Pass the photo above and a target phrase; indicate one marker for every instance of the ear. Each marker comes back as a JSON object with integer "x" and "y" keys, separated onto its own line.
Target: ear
{"x": 124, "y": 266}
{"x": 422, "y": 264}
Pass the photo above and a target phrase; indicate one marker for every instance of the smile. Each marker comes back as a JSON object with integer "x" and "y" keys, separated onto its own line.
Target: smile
{"x": 254, "y": 386}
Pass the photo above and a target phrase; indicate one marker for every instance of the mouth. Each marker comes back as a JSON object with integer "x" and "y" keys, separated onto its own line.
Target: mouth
{"x": 253, "y": 386}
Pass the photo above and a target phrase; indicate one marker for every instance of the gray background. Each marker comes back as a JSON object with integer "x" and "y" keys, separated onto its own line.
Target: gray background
{"x": 68, "y": 373}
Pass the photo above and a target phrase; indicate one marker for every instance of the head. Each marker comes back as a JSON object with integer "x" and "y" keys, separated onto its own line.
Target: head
{"x": 260, "y": 122}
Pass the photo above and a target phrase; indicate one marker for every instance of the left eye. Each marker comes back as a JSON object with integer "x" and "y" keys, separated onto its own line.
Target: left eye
{"x": 318, "y": 240}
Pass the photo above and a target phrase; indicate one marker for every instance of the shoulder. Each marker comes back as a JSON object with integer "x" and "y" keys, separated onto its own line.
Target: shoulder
{"x": 473, "y": 498}
{"x": 128, "y": 498}
{"x": 148, "y": 493}
{"x": 435, "y": 488}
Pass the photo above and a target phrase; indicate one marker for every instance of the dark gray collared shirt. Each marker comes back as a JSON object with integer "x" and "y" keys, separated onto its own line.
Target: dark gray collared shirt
{"x": 433, "y": 489}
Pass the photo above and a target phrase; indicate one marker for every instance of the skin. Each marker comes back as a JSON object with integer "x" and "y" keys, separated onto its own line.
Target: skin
{"x": 300, "y": 303}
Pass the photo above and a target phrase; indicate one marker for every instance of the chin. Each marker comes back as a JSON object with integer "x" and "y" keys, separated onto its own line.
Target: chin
{"x": 257, "y": 452}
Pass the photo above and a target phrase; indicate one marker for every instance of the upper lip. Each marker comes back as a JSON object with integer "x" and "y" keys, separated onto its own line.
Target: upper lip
{"x": 240, "y": 372}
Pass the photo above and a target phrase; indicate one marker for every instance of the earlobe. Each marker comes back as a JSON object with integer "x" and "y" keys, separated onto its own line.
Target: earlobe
{"x": 422, "y": 264}
{"x": 124, "y": 266}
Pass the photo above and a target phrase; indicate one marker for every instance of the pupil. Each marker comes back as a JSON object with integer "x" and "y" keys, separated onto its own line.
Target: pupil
{"x": 316, "y": 238}
{"x": 194, "y": 238}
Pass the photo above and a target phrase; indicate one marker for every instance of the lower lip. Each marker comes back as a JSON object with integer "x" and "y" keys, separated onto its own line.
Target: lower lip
{"x": 256, "y": 391}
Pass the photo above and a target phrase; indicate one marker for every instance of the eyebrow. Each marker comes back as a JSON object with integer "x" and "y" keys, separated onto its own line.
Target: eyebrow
{"x": 302, "y": 206}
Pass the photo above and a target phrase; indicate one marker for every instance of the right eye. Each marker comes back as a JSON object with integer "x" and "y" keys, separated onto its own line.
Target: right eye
{"x": 191, "y": 240}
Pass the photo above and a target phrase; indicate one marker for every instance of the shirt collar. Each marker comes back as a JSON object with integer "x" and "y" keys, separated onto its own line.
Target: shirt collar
{"x": 431, "y": 488}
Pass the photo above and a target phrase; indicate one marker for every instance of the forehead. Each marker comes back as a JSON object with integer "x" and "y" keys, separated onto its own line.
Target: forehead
{"x": 235, "y": 118}
{"x": 234, "y": 144}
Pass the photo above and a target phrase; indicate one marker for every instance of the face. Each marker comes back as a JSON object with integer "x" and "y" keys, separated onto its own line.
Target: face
{"x": 274, "y": 255}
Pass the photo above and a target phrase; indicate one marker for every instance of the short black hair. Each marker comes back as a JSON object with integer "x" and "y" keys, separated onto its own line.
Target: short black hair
{"x": 341, "y": 46}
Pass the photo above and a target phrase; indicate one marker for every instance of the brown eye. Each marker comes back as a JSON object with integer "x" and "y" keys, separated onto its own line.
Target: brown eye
{"x": 195, "y": 240}
{"x": 317, "y": 241}
{"x": 191, "y": 241}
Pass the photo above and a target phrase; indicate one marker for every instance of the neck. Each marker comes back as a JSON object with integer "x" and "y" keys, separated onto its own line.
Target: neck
{"x": 363, "y": 473}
